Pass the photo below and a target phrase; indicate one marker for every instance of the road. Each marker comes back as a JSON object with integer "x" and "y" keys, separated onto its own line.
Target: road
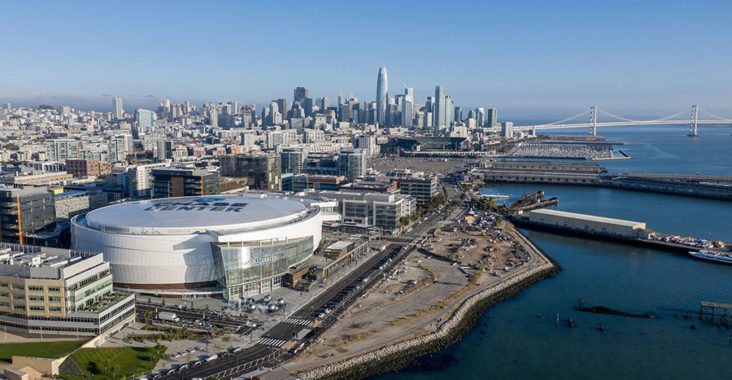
{"x": 278, "y": 343}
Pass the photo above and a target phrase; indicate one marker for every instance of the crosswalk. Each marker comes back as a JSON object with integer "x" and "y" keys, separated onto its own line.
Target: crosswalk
{"x": 272, "y": 342}
{"x": 298, "y": 321}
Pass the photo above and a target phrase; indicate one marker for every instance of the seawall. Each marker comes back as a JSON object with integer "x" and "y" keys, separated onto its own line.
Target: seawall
{"x": 400, "y": 355}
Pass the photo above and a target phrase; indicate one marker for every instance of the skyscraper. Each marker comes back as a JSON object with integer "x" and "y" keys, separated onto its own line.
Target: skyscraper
{"x": 382, "y": 89}
{"x": 300, "y": 94}
{"x": 144, "y": 120}
{"x": 282, "y": 106}
{"x": 492, "y": 118}
{"x": 408, "y": 108}
{"x": 119, "y": 113}
{"x": 440, "y": 110}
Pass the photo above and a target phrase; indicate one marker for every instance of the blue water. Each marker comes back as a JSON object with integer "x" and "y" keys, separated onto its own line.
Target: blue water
{"x": 510, "y": 341}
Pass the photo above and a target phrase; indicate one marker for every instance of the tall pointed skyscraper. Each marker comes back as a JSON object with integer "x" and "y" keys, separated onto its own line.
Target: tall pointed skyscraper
{"x": 382, "y": 97}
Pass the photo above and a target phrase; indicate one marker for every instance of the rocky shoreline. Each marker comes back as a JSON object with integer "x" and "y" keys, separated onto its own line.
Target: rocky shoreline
{"x": 403, "y": 354}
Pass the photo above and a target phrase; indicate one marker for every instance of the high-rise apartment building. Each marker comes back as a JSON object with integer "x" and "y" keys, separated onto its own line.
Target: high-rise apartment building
{"x": 118, "y": 112}
{"x": 144, "y": 120}
{"x": 292, "y": 160}
{"x": 352, "y": 164}
{"x": 117, "y": 149}
{"x": 382, "y": 95}
{"x": 62, "y": 149}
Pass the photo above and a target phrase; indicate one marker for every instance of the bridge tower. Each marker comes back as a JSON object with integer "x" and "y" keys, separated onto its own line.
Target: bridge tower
{"x": 694, "y": 117}
{"x": 593, "y": 120}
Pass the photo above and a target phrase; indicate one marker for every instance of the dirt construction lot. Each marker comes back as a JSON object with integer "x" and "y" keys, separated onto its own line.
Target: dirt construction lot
{"x": 417, "y": 295}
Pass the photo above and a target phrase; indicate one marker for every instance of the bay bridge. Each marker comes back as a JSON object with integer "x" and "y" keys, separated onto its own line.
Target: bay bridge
{"x": 696, "y": 116}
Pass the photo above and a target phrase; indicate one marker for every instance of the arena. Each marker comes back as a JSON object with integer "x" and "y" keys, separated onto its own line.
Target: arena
{"x": 233, "y": 245}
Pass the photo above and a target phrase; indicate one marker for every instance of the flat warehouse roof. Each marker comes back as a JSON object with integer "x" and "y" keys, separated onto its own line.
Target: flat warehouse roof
{"x": 592, "y": 218}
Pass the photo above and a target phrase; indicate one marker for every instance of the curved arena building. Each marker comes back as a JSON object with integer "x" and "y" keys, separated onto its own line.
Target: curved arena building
{"x": 237, "y": 245}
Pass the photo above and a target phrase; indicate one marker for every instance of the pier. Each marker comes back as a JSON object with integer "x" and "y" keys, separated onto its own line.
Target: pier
{"x": 532, "y": 202}
{"x": 592, "y": 174}
{"x": 708, "y": 310}
{"x": 609, "y": 229}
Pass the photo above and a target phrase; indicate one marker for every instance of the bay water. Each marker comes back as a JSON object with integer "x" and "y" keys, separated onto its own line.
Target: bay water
{"x": 518, "y": 338}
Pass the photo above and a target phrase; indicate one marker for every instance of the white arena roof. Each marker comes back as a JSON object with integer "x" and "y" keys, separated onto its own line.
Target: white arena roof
{"x": 192, "y": 214}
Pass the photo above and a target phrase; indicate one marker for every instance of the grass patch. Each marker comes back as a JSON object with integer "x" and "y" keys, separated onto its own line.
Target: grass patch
{"x": 119, "y": 362}
{"x": 40, "y": 349}
{"x": 167, "y": 333}
{"x": 358, "y": 336}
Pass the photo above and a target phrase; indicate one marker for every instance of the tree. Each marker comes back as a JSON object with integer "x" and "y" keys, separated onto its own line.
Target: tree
{"x": 148, "y": 316}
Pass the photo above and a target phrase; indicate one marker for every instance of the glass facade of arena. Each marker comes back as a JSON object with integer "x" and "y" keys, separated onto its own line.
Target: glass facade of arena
{"x": 244, "y": 269}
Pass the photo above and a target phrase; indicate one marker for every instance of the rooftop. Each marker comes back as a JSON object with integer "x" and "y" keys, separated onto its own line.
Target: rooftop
{"x": 191, "y": 214}
{"x": 594, "y": 218}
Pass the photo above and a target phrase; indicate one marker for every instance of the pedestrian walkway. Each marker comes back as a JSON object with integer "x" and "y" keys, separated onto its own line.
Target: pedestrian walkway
{"x": 272, "y": 342}
{"x": 298, "y": 321}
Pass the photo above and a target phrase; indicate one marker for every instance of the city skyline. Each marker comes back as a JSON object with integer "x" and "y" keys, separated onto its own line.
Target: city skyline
{"x": 536, "y": 58}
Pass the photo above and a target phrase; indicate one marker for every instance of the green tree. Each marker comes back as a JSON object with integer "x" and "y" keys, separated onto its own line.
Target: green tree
{"x": 148, "y": 316}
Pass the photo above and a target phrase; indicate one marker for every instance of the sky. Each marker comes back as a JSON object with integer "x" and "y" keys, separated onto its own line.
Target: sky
{"x": 526, "y": 58}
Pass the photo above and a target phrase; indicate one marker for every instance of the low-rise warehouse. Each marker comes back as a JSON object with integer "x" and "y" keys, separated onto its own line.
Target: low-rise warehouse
{"x": 589, "y": 223}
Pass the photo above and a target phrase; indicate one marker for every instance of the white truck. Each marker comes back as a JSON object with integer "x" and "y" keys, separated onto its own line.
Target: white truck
{"x": 167, "y": 316}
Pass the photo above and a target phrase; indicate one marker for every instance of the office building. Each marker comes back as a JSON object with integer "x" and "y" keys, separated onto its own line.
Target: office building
{"x": 440, "y": 110}
{"x": 25, "y": 211}
{"x": 408, "y": 108}
{"x": 507, "y": 129}
{"x": 382, "y": 96}
{"x": 262, "y": 171}
{"x": 86, "y": 168}
{"x": 60, "y": 292}
{"x": 282, "y": 107}
{"x": 182, "y": 182}
{"x": 300, "y": 94}
{"x": 383, "y": 210}
{"x": 492, "y": 117}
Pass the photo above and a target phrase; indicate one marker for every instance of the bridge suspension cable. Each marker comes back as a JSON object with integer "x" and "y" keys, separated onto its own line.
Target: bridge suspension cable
{"x": 677, "y": 114}
{"x": 705, "y": 111}
{"x": 570, "y": 118}
{"x": 615, "y": 116}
